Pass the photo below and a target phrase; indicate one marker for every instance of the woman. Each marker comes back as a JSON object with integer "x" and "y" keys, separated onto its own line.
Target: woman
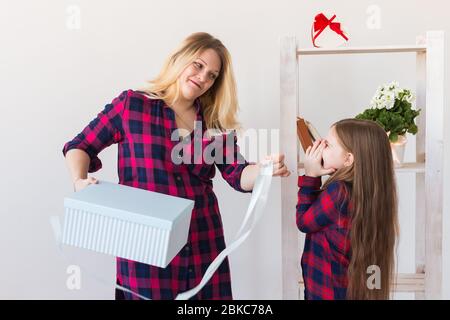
{"x": 194, "y": 91}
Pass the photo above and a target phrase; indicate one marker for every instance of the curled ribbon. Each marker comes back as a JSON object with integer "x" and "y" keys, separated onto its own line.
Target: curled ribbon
{"x": 321, "y": 22}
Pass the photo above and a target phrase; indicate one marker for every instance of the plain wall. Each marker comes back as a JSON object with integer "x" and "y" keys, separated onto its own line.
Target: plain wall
{"x": 55, "y": 79}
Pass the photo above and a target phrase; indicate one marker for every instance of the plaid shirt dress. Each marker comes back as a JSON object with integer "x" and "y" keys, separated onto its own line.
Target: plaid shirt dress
{"x": 325, "y": 218}
{"x": 142, "y": 127}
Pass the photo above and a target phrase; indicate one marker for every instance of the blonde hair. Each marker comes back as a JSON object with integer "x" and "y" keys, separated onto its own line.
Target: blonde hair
{"x": 219, "y": 103}
{"x": 374, "y": 223}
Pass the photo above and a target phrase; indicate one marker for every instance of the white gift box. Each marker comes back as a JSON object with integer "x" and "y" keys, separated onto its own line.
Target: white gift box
{"x": 126, "y": 222}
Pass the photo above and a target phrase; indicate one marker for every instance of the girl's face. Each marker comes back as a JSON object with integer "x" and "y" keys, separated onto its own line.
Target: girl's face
{"x": 200, "y": 75}
{"x": 334, "y": 154}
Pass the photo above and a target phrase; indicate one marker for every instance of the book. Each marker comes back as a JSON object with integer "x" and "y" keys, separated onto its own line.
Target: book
{"x": 306, "y": 133}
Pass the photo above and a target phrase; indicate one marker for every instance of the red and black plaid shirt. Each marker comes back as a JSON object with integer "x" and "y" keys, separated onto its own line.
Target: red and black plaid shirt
{"x": 142, "y": 127}
{"x": 325, "y": 218}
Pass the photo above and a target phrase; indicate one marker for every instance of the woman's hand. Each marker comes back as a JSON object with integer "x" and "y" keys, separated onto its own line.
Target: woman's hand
{"x": 313, "y": 160}
{"x": 250, "y": 173}
{"x": 279, "y": 168}
{"x": 80, "y": 184}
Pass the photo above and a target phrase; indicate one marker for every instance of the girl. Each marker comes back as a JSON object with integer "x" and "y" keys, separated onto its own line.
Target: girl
{"x": 351, "y": 222}
{"x": 196, "y": 85}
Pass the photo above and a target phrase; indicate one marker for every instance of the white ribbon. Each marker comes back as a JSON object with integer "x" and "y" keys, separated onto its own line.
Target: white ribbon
{"x": 254, "y": 211}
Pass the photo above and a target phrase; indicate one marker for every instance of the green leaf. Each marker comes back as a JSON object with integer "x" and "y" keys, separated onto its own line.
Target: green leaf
{"x": 398, "y": 120}
{"x": 393, "y": 137}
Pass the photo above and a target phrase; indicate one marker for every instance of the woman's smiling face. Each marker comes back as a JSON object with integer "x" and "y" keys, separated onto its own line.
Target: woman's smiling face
{"x": 200, "y": 75}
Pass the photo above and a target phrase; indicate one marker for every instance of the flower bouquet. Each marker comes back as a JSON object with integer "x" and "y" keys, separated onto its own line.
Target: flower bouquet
{"x": 391, "y": 107}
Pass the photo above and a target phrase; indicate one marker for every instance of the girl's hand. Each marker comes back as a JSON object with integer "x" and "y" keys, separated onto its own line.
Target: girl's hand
{"x": 313, "y": 160}
{"x": 80, "y": 184}
{"x": 279, "y": 168}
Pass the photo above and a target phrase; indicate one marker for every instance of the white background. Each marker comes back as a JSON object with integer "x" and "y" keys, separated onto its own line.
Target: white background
{"x": 54, "y": 80}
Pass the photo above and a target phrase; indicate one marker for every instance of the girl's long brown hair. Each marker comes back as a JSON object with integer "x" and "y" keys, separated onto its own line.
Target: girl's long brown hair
{"x": 374, "y": 222}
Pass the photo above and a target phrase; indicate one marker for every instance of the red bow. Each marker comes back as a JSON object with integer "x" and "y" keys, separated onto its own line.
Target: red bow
{"x": 321, "y": 23}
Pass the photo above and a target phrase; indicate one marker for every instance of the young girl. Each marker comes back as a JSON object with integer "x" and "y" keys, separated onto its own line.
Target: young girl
{"x": 351, "y": 222}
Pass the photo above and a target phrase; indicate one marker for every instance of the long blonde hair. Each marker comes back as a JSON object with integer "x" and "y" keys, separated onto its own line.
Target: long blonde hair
{"x": 219, "y": 103}
{"x": 374, "y": 223}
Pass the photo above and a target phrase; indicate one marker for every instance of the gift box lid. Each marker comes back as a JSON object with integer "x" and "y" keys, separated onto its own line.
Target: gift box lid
{"x": 131, "y": 204}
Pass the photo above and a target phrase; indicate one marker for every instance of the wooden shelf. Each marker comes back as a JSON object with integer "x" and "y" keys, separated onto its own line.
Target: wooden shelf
{"x": 429, "y": 53}
{"x": 361, "y": 50}
{"x": 407, "y": 167}
{"x": 404, "y": 282}
{"x": 417, "y": 167}
{"x": 409, "y": 282}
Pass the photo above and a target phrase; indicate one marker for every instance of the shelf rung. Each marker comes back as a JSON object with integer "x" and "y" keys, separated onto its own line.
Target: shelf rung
{"x": 409, "y": 282}
{"x": 359, "y": 50}
{"x": 417, "y": 167}
{"x": 404, "y": 282}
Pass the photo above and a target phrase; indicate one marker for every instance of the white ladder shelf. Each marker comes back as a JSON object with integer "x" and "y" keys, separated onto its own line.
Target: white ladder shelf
{"x": 428, "y": 168}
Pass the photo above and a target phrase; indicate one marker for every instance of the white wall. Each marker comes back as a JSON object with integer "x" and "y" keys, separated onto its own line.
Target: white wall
{"x": 54, "y": 80}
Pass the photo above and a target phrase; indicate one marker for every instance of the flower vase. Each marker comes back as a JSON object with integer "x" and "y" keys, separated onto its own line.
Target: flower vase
{"x": 398, "y": 151}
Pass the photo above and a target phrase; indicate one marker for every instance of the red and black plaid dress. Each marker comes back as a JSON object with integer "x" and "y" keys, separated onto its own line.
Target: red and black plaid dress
{"x": 325, "y": 217}
{"x": 142, "y": 127}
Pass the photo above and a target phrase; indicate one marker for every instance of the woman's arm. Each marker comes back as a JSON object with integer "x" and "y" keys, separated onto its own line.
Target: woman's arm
{"x": 249, "y": 175}
{"x": 239, "y": 173}
{"x": 78, "y": 164}
{"x": 251, "y": 171}
{"x": 82, "y": 151}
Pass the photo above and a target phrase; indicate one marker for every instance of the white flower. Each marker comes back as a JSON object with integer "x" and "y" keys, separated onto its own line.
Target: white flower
{"x": 411, "y": 98}
{"x": 389, "y": 100}
{"x": 386, "y": 95}
{"x": 376, "y": 102}
{"x": 393, "y": 86}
